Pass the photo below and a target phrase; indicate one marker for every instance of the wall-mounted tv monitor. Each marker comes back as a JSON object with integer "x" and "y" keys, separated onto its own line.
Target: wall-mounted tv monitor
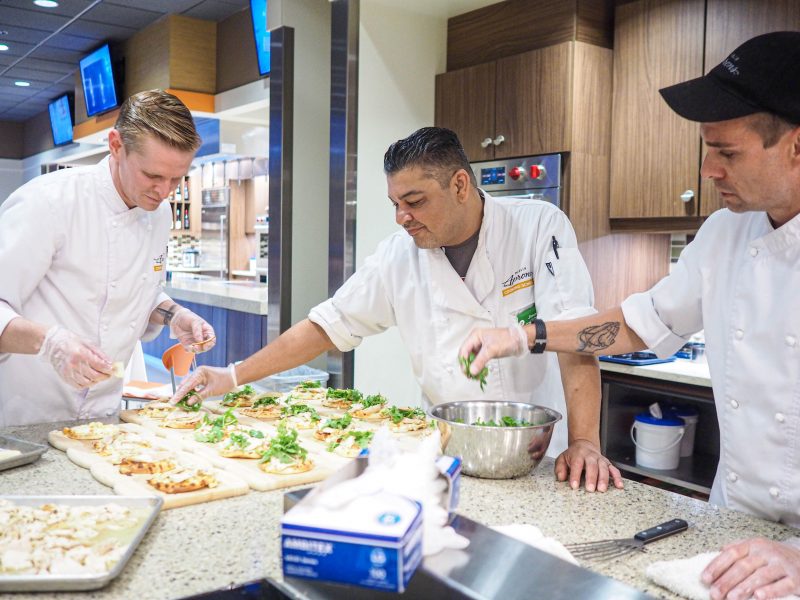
{"x": 61, "y": 120}
{"x": 97, "y": 77}
{"x": 258, "y": 10}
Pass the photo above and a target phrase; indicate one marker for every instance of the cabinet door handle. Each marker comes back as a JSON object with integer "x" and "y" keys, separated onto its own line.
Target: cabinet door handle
{"x": 485, "y": 143}
{"x": 498, "y": 140}
{"x": 687, "y": 196}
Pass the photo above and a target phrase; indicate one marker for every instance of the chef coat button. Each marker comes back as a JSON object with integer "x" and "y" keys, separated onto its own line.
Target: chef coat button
{"x": 113, "y": 284}
{"x": 774, "y": 492}
{"x": 114, "y": 223}
{"x": 780, "y": 417}
{"x": 753, "y": 251}
{"x": 105, "y": 327}
{"x": 450, "y": 370}
{"x": 790, "y": 340}
{"x": 144, "y": 277}
{"x": 734, "y": 404}
{"x": 739, "y": 334}
{"x": 732, "y": 477}
{"x": 133, "y": 324}
{"x": 109, "y": 413}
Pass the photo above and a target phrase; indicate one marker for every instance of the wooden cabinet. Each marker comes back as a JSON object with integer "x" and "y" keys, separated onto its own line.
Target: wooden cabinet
{"x": 514, "y": 106}
{"x": 654, "y": 152}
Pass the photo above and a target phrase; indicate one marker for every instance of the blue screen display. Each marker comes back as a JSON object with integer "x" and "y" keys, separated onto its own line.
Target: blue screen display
{"x": 60, "y": 121}
{"x": 258, "y": 10}
{"x": 98, "y": 81}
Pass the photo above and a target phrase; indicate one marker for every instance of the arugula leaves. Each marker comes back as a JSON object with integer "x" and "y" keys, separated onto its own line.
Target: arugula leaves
{"x": 184, "y": 402}
{"x": 266, "y": 400}
{"x": 215, "y": 428}
{"x": 308, "y": 385}
{"x": 296, "y": 409}
{"x": 242, "y": 439}
{"x": 346, "y": 395}
{"x": 466, "y": 363}
{"x": 341, "y": 423}
{"x": 362, "y": 438}
{"x": 398, "y": 414}
{"x": 373, "y": 401}
{"x": 504, "y": 422}
{"x": 233, "y": 398}
{"x": 284, "y": 447}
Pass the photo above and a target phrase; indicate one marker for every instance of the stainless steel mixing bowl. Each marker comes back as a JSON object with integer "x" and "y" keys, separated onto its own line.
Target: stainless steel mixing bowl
{"x": 495, "y": 452}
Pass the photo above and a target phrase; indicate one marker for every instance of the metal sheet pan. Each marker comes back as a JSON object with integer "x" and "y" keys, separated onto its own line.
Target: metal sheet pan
{"x": 29, "y": 452}
{"x": 53, "y": 583}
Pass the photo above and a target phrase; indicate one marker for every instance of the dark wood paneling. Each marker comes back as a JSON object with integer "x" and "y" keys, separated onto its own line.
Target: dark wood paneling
{"x": 37, "y": 135}
{"x": 465, "y": 104}
{"x": 657, "y": 224}
{"x": 533, "y": 102}
{"x": 517, "y": 26}
{"x": 11, "y": 139}
{"x": 506, "y": 29}
{"x": 595, "y": 22}
{"x": 654, "y": 156}
{"x": 729, "y": 24}
{"x": 237, "y": 63}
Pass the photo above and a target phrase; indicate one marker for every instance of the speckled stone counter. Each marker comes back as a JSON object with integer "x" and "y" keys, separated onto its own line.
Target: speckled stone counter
{"x": 246, "y": 297}
{"x": 680, "y": 371}
{"x": 208, "y": 546}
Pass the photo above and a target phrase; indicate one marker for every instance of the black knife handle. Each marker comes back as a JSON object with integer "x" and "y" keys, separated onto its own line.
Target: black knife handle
{"x": 662, "y": 531}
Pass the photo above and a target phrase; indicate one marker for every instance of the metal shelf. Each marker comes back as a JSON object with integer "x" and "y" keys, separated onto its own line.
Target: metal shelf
{"x": 692, "y": 471}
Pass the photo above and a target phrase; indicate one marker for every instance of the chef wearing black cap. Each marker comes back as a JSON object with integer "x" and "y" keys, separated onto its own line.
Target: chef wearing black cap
{"x": 739, "y": 280}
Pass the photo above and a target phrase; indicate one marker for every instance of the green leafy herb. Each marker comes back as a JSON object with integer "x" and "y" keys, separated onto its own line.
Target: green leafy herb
{"x": 240, "y": 439}
{"x": 212, "y": 431}
{"x": 266, "y": 400}
{"x": 341, "y": 423}
{"x": 346, "y": 395}
{"x": 296, "y": 409}
{"x": 234, "y": 398}
{"x": 398, "y": 414}
{"x": 362, "y": 438}
{"x": 504, "y": 422}
{"x": 375, "y": 400}
{"x": 284, "y": 447}
{"x": 184, "y": 402}
{"x": 309, "y": 385}
{"x": 256, "y": 434}
{"x": 466, "y": 363}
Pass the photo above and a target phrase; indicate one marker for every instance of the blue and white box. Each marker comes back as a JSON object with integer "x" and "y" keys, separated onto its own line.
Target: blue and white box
{"x": 374, "y": 542}
{"x": 450, "y": 469}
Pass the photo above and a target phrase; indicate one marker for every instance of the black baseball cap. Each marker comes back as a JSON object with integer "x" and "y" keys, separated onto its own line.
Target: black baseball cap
{"x": 761, "y": 75}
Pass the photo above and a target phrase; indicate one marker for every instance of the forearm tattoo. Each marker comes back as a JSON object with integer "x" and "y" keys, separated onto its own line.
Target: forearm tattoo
{"x": 597, "y": 337}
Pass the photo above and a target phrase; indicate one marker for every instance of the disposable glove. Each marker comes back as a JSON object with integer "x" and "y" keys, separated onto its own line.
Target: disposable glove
{"x": 76, "y": 361}
{"x": 192, "y": 331}
{"x": 494, "y": 343}
{"x": 207, "y": 381}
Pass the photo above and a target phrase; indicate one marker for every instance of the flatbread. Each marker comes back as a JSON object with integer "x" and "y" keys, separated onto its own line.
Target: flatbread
{"x": 182, "y": 480}
{"x": 182, "y": 419}
{"x": 91, "y": 431}
{"x": 275, "y": 467}
{"x": 147, "y": 465}
{"x": 157, "y": 410}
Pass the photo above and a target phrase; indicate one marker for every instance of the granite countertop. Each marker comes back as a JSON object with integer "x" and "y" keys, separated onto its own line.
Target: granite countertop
{"x": 208, "y": 546}
{"x": 244, "y": 296}
{"x": 679, "y": 371}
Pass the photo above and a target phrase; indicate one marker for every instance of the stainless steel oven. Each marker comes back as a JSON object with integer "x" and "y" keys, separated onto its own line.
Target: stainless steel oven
{"x": 537, "y": 177}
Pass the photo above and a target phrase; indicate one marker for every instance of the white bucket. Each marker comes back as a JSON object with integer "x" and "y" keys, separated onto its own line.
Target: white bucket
{"x": 657, "y": 441}
{"x": 689, "y": 418}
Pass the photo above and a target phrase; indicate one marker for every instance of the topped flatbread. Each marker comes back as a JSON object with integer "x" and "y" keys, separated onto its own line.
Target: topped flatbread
{"x": 406, "y": 419}
{"x": 241, "y": 397}
{"x": 182, "y": 480}
{"x": 370, "y": 408}
{"x": 91, "y": 431}
{"x": 157, "y": 409}
{"x": 285, "y": 455}
{"x": 342, "y": 399}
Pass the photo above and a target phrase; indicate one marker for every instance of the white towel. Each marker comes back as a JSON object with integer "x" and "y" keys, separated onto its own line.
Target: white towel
{"x": 532, "y": 535}
{"x": 682, "y": 576}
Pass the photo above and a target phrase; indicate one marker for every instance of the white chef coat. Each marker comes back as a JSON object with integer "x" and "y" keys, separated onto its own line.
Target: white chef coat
{"x": 73, "y": 254}
{"x": 740, "y": 281}
{"x": 420, "y": 292}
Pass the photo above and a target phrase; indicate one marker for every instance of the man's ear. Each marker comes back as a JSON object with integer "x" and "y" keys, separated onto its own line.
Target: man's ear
{"x": 461, "y": 181}
{"x": 115, "y": 145}
{"x": 796, "y": 144}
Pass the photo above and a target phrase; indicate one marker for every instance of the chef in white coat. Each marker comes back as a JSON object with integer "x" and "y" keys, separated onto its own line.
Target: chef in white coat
{"x": 461, "y": 258}
{"x": 82, "y": 260}
{"x": 740, "y": 281}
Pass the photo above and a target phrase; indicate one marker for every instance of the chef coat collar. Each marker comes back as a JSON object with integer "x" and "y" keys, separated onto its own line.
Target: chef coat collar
{"x": 114, "y": 201}
{"x": 784, "y": 237}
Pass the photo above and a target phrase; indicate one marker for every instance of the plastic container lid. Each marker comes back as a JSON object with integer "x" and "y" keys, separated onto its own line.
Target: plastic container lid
{"x": 669, "y": 420}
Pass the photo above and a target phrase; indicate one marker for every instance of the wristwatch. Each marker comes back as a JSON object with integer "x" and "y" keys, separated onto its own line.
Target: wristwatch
{"x": 540, "y": 342}
{"x": 167, "y": 313}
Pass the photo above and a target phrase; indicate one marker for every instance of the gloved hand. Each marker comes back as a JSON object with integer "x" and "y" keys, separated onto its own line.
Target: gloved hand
{"x": 76, "y": 361}
{"x": 207, "y": 381}
{"x": 494, "y": 343}
{"x": 192, "y": 331}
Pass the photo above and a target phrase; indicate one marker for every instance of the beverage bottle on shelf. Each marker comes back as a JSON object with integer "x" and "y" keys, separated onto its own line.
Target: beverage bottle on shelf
{"x": 186, "y": 217}
{"x": 186, "y": 190}
{"x": 178, "y": 217}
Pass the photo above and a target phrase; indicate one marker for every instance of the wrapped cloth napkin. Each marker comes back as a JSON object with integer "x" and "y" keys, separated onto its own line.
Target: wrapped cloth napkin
{"x": 532, "y": 535}
{"x": 682, "y": 576}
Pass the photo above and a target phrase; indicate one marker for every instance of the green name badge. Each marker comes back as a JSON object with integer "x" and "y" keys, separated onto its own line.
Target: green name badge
{"x": 527, "y": 316}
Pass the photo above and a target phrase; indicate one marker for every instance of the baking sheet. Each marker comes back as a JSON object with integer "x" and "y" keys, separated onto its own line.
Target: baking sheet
{"x": 53, "y": 583}
{"x": 29, "y": 452}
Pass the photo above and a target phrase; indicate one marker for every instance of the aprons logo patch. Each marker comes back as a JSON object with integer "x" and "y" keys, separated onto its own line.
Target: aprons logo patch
{"x": 158, "y": 263}
{"x": 519, "y": 280}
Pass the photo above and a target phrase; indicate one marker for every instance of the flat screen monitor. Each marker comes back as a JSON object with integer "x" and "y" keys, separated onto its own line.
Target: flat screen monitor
{"x": 258, "y": 10}
{"x": 61, "y": 120}
{"x": 97, "y": 77}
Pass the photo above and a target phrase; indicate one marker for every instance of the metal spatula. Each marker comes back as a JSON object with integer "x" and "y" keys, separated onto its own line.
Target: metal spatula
{"x": 608, "y": 549}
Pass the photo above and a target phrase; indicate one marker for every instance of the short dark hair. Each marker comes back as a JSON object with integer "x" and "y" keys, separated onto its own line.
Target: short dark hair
{"x": 435, "y": 149}
{"x": 770, "y": 127}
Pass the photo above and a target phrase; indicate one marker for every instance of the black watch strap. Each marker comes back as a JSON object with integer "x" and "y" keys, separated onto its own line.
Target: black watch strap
{"x": 540, "y": 342}
{"x": 167, "y": 313}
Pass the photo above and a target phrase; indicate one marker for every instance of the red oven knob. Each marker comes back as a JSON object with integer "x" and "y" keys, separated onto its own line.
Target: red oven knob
{"x": 538, "y": 172}
{"x": 516, "y": 173}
